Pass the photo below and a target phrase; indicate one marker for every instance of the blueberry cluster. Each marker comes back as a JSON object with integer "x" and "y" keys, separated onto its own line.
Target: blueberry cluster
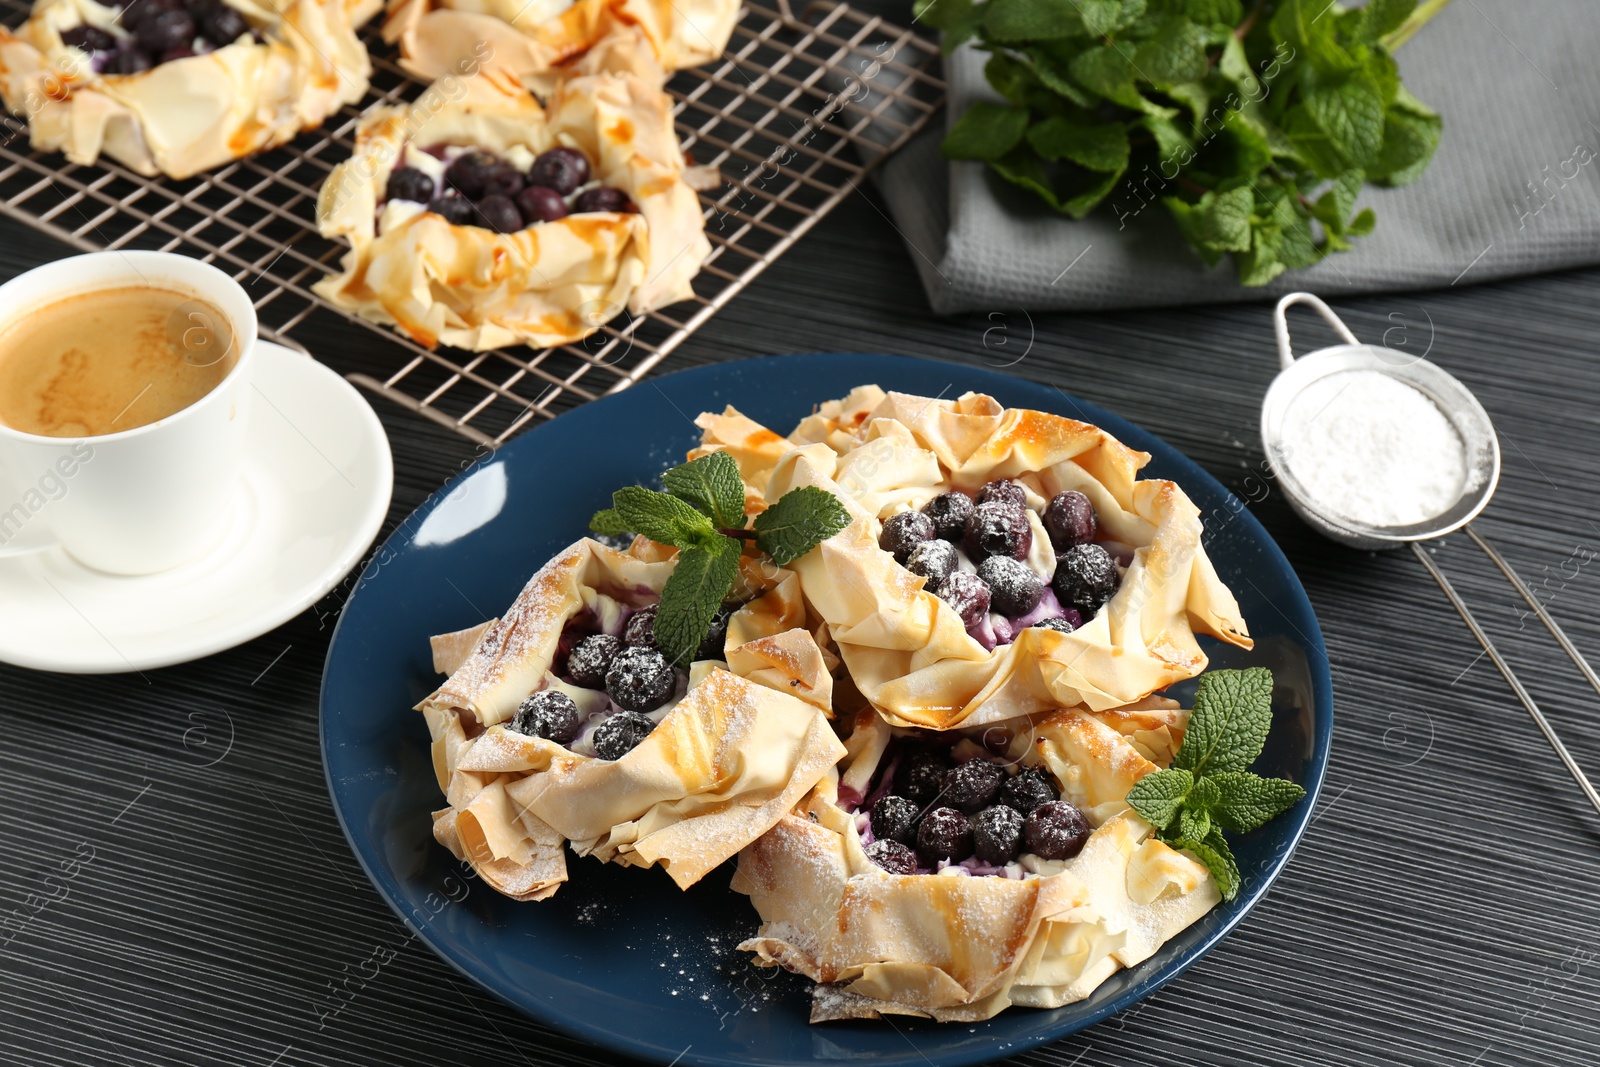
{"x": 631, "y": 671}
{"x": 481, "y": 189}
{"x": 938, "y": 810}
{"x": 994, "y": 531}
{"x": 160, "y": 31}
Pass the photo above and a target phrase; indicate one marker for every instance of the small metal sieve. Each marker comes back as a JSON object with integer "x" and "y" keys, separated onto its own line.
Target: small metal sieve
{"x": 1449, "y": 395}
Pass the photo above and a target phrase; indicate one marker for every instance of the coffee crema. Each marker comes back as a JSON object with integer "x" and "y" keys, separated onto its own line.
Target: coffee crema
{"x": 111, "y": 360}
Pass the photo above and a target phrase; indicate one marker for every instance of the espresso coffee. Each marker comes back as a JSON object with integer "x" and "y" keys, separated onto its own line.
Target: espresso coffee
{"x": 111, "y": 360}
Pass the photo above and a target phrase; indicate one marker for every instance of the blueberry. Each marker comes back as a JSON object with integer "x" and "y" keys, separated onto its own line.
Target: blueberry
{"x": 944, "y": 834}
{"x": 129, "y": 60}
{"x": 1003, "y": 491}
{"x": 499, "y": 214}
{"x": 1056, "y": 831}
{"x": 562, "y": 169}
{"x": 549, "y": 713}
{"x": 640, "y": 679}
{"x": 455, "y": 210}
{"x": 183, "y": 51}
{"x": 893, "y": 857}
{"x": 998, "y": 529}
{"x": 539, "y": 203}
{"x": 1013, "y": 589}
{"x": 968, "y": 594}
{"x": 1069, "y": 519}
{"x": 971, "y": 786}
{"x": 641, "y": 629}
{"x": 89, "y": 38}
{"x": 621, "y": 734}
{"x": 935, "y": 561}
{"x": 588, "y": 662}
{"x": 1028, "y": 789}
{"x": 1086, "y": 577}
{"x": 997, "y": 835}
{"x": 949, "y": 512}
{"x": 162, "y": 30}
{"x": 895, "y": 819}
{"x": 221, "y": 24}
{"x": 1059, "y": 625}
{"x": 505, "y": 180}
{"x": 603, "y": 198}
{"x": 409, "y": 183}
{"x": 469, "y": 173}
{"x": 903, "y": 532}
{"x": 715, "y": 644}
{"x": 919, "y": 775}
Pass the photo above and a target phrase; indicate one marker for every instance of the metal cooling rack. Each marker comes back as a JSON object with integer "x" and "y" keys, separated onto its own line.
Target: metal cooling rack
{"x": 794, "y": 114}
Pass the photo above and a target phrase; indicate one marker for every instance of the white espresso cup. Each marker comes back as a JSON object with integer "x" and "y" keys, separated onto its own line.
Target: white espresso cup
{"x": 140, "y": 500}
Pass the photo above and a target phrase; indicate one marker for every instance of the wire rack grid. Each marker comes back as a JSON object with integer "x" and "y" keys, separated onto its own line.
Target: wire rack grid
{"x": 793, "y": 115}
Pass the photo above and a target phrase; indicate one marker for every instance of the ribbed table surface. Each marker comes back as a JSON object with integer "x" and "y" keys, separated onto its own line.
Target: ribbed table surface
{"x": 1441, "y": 910}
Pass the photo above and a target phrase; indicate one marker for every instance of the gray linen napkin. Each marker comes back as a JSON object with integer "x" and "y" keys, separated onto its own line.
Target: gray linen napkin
{"x": 1513, "y": 189}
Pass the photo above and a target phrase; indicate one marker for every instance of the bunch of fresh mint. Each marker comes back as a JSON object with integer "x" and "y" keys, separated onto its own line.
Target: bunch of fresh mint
{"x": 1256, "y": 130}
{"x": 702, "y": 515}
{"x": 1208, "y": 788}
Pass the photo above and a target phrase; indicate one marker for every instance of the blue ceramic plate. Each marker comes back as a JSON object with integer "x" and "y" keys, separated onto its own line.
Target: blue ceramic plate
{"x": 621, "y": 957}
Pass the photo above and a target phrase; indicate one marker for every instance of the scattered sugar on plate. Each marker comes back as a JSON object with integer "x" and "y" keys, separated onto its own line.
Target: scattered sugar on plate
{"x": 1370, "y": 448}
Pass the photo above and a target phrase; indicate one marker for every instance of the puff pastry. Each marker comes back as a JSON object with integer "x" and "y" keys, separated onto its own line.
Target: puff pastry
{"x": 746, "y": 736}
{"x": 908, "y": 651}
{"x": 191, "y": 114}
{"x": 531, "y": 40}
{"x": 549, "y": 284}
{"x": 960, "y": 948}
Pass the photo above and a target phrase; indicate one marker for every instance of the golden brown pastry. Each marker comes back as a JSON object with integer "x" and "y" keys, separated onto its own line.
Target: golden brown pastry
{"x": 962, "y": 939}
{"x": 265, "y": 72}
{"x": 480, "y": 282}
{"x": 947, "y": 660}
{"x": 531, "y": 40}
{"x": 656, "y": 765}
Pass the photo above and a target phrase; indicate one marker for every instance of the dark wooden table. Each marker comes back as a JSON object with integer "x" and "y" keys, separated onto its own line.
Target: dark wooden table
{"x": 1443, "y": 909}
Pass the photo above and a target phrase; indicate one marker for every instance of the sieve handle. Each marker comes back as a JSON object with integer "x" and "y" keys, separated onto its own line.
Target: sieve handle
{"x": 1280, "y": 323}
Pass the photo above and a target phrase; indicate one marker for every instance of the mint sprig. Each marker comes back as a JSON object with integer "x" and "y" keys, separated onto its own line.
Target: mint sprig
{"x": 702, "y": 515}
{"x": 1208, "y": 788}
{"x": 1254, "y": 123}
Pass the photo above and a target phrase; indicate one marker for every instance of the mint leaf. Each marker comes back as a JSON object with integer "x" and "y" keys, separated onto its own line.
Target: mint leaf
{"x": 1107, "y": 71}
{"x": 1350, "y": 113}
{"x": 1017, "y": 21}
{"x": 696, "y": 589}
{"x": 1362, "y": 224}
{"x": 1101, "y": 18}
{"x": 1245, "y": 800}
{"x": 1381, "y": 17}
{"x": 1334, "y": 206}
{"x": 713, "y": 485}
{"x": 1205, "y": 796}
{"x": 959, "y": 19}
{"x": 797, "y": 522}
{"x": 1409, "y": 141}
{"x": 1158, "y": 797}
{"x": 660, "y": 517}
{"x": 1218, "y": 859}
{"x": 985, "y": 131}
{"x": 1193, "y": 823}
{"x": 1024, "y": 167}
{"x": 1177, "y": 53}
{"x": 608, "y": 522}
{"x": 1219, "y": 223}
{"x": 1301, "y": 25}
{"x": 1228, "y": 726}
{"x": 1099, "y": 147}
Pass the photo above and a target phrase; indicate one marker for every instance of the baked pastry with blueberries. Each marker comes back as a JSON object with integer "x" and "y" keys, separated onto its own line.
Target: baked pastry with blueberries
{"x": 178, "y": 87}
{"x": 537, "y": 41}
{"x": 953, "y": 874}
{"x": 478, "y": 218}
{"x": 562, "y": 722}
{"x": 998, "y": 561}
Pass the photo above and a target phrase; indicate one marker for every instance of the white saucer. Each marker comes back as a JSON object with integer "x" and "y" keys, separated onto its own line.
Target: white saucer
{"x": 314, "y": 492}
